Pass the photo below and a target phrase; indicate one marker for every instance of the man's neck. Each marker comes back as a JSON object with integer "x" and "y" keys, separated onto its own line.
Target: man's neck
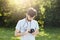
{"x": 28, "y": 20}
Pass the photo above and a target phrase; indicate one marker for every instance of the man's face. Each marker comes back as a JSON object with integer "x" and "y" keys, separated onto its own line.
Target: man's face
{"x": 29, "y": 18}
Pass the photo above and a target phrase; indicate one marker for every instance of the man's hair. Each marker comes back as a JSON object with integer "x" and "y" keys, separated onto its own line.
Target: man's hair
{"x": 32, "y": 12}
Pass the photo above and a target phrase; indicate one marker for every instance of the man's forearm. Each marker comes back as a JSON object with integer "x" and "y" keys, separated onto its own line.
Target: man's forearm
{"x": 18, "y": 34}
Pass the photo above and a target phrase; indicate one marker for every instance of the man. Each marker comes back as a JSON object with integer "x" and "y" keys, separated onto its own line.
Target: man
{"x": 27, "y": 28}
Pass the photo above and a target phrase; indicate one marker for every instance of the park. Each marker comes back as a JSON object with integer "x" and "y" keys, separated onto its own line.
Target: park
{"x": 48, "y": 18}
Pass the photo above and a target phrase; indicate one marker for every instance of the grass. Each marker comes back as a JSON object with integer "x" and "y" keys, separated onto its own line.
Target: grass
{"x": 45, "y": 34}
{"x": 49, "y": 34}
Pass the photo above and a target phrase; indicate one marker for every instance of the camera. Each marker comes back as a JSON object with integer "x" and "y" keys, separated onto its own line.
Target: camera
{"x": 31, "y": 31}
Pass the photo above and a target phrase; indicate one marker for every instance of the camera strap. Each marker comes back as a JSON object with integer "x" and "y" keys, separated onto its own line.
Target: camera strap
{"x": 27, "y": 24}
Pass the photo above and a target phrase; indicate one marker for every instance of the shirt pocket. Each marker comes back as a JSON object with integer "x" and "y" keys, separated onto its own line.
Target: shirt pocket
{"x": 33, "y": 26}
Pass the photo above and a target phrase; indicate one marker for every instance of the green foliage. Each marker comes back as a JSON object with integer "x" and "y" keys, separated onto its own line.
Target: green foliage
{"x": 47, "y": 11}
{"x": 52, "y": 14}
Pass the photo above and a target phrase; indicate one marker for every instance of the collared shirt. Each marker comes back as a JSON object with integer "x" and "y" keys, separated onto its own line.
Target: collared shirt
{"x": 23, "y": 25}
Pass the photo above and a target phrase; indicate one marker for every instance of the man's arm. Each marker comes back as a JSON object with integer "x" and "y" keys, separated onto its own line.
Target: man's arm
{"x": 37, "y": 29}
{"x": 18, "y": 33}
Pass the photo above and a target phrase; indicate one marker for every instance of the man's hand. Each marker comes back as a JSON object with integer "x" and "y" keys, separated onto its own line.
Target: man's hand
{"x": 26, "y": 32}
{"x": 36, "y": 32}
{"x": 18, "y": 33}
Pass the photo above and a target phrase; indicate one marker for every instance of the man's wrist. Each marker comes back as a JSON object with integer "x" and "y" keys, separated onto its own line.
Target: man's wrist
{"x": 22, "y": 34}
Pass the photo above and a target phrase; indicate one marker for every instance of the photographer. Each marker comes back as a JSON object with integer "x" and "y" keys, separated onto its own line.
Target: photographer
{"x": 27, "y": 28}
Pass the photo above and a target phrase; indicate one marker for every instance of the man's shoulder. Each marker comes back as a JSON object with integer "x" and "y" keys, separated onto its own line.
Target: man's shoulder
{"x": 35, "y": 21}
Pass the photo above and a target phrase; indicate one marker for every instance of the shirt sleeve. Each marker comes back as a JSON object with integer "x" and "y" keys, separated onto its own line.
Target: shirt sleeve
{"x": 18, "y": 26}
{"x": 37, "y": 25}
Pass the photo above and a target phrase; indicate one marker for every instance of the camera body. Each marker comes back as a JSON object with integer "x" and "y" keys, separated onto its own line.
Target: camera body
{"x": 31, "y": 31}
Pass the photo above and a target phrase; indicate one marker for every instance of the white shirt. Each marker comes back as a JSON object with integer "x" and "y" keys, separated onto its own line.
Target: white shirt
{"x": 22, "y": 25}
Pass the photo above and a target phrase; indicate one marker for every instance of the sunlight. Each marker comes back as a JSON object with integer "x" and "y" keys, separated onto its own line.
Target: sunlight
{"x": 16, "y": 1}
{"x": 43, "y": 34}
{"x": 42, "y": 9}
{"x": 0, "y": 14}
{"x": 22, "y": 3}
{"x": 19, "y": 2}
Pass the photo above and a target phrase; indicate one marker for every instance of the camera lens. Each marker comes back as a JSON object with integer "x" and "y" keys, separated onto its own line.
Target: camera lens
{"x": 31, "y": 30}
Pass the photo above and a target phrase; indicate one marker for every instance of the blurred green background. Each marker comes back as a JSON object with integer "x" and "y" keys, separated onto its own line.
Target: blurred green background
{"x": 48, "y": 17}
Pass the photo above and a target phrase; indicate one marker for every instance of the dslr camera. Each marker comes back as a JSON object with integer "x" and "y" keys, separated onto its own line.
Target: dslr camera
{"x": 31, "y": 31}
